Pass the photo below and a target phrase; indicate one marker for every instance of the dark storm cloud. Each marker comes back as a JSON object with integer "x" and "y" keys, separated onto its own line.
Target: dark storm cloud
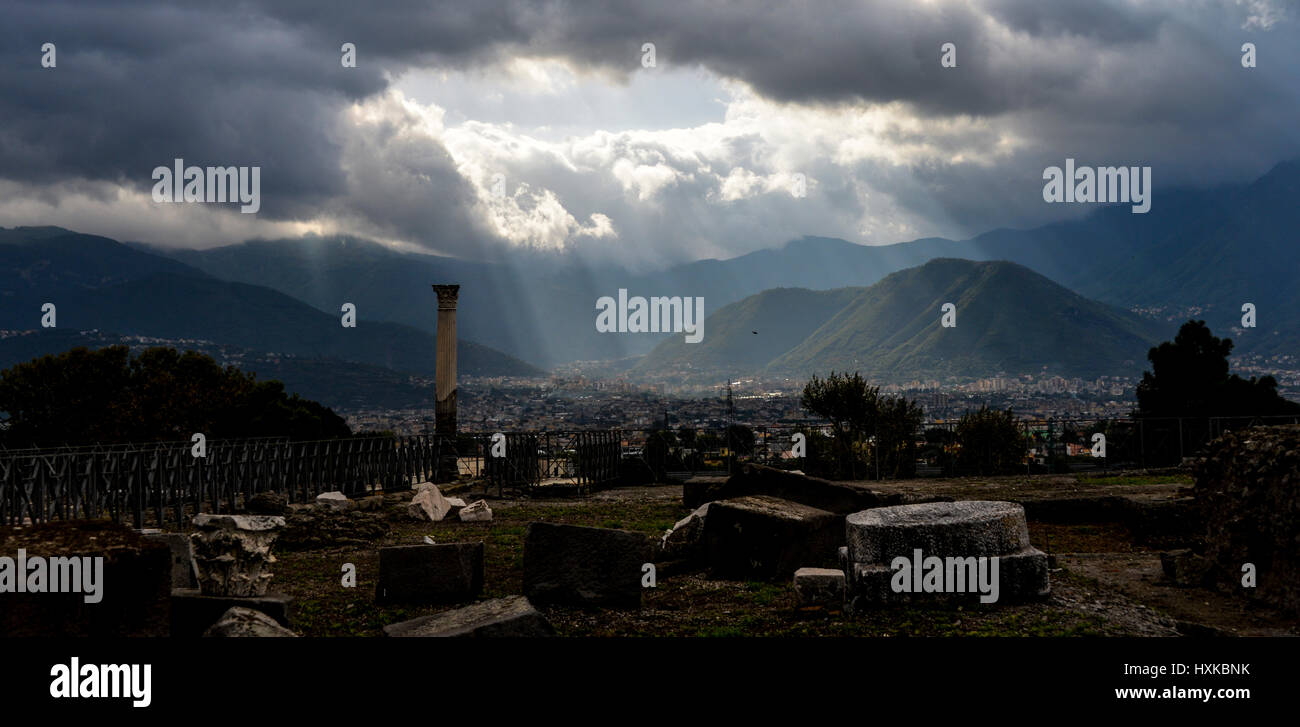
{"x": 140, "y": 83}
{"x": 1013, "y": 54}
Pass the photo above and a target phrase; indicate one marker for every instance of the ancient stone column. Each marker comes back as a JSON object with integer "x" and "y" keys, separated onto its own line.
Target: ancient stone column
{"x": 444, "y": 412}
{"x": 232, "y": 553}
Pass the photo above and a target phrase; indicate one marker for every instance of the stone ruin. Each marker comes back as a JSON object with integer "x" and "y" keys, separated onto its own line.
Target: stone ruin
{"x": 232, "y": 556}
{"x": 947, "y": 545}
{"x": 766, "y": 538}
{"x": 246, "y": 622}
{"x": 1246, "y": 492}
{"x": 513, "y": 616}
{"x": 428, "y": 504}
{"x": 430, "y": 573}
{"x": 574, "y": 565}
{"x": 232, "y": 553}
{"x": 768, "y": 524}
{"x": 332, "y": 520}
{"x": 134, "y": 584}
{"x": 565, "y": 565}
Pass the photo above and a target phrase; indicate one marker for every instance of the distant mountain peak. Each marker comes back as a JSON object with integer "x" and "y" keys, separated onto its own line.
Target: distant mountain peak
{"x": 1009, "y": 319}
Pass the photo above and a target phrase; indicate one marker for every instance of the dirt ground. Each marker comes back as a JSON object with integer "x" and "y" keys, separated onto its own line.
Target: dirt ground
{"x": 1104, "y": 583}
{"x": 1197, "y": 611}
{"x": 1043, "y": 487}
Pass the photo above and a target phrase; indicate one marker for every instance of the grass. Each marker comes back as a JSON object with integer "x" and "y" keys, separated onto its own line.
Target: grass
{"x": 680, "y": 605}
{"x": 1133, "y": 480}
{"x": 324, "y": 607}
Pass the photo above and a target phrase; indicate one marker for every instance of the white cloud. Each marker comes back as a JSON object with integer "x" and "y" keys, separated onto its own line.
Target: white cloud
{"x": 1262, "y": 14}
{"x": 112, "y": 210}
{"x": 645, "y": 180}
{"x": 655, "y": 166}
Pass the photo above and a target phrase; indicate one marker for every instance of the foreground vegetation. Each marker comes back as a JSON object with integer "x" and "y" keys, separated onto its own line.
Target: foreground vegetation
{"x": 687, "y": 604}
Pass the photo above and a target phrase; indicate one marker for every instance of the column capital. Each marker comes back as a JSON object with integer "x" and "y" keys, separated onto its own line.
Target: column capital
{"x": 447, "y": 295}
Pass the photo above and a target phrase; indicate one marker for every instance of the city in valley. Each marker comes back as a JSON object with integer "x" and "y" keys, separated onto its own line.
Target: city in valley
{"x": 573, "y": 401}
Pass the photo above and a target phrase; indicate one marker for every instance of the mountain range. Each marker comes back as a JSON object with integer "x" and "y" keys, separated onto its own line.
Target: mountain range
{"x": 1006, "y": 319}
{"x": 103, "y": 290}
{"x": 1197, "y": 253}
{"x": 1057, "y": 296}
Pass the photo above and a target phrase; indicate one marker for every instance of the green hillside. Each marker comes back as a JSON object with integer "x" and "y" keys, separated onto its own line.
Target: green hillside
{"x": 747, "y": 335}
{"x": 98, "y": 284}
{"x": 1008, "y": 319}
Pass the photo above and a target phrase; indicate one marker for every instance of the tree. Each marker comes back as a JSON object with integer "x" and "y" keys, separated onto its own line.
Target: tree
{"x": 850, "y": 405}
{"x": 103, "y": 396}
{"x": 857, "y": 412}
{"x": 1189, "y": 378}
{"x": 692, "y": 453}
{"x": 991, "y": 443}
{"x": 898, "y": 420}
{"x": 740, "y": 440}
{"x": 659, "y": 450}
{"x": 71, "y": 398}
{"x": 846, "y": 401}
{"x": 686, "y": 435}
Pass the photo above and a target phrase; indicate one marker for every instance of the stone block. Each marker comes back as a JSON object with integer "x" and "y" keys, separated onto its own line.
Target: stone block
{"x": 582, "y": 566}
{"x": 942, "y": 547}
{"x": 131, "y": 582}
{"x": 967, "y": 528}
{"x": 430, "y": 574}
{"x": 475, "y": 512}
{"x": 336, "y": 500}
{"x": 1022, "y": 576}
{"x": 767, "y": 538}
{"x": 841, "y": 498}
{"x": 184, "y": 574}
{"x": 699, "y": 490}
{"x": 513, "y": 616}
{"x": 246, "y": 622}
{"x": 1185, "y": 568}
{"x": 820, "y": 587}
{"x": 428, "y": 504}
{"x": 194, "y": 613}
{"x": 686, "y": 539}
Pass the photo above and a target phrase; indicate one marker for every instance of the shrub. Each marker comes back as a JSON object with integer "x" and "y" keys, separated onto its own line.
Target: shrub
{"x": 990, "y": 442}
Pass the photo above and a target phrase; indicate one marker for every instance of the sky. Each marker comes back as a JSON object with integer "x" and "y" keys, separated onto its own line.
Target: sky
{"x": 481, "y": 129}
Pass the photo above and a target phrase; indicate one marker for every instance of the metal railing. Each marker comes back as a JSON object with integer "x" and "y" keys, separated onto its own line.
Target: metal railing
{"x": 576, "y": 461}
{"x": 1055, "y": 445}
{"x": 163, "y": 483}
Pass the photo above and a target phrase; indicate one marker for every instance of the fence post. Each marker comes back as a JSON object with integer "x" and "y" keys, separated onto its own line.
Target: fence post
{"x": 1028, "y": 457}
{"x": 38, "y": 512}
{"x": 1142, "y": 443}
{"x": 139, "y": 490}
